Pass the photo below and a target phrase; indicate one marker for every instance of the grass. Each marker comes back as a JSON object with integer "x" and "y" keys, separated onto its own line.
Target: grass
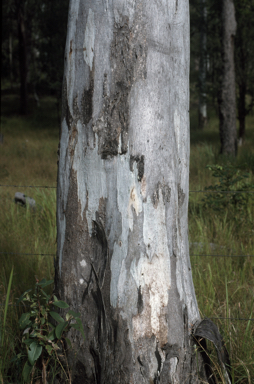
{"x": 224, "y": 285}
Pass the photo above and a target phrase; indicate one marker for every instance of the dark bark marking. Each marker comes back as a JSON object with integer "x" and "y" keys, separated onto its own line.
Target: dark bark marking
{"x": 97, "y": 364}
{"x": 80, "y": 373}
{"x": 158, "y": 357}
{"x": 87, "y": 102}
{"x": 101, "y": 246}
{"x": 87, "y": 287}
{"x": 128, "y": 58}
{"x": 66, "y": 113}
{"x": 140, "y": 300}
{"x": 181, "y": 196}
{"x": 70, "y": 53}
{"x": 166, "y": 194}
{"x": 140, "y": 160}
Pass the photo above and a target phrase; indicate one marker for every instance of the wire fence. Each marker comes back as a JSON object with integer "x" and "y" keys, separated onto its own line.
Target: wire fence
{"x": 214, "y": 318}
{"x": 191, "y": 255}
{"x": 46, "y": 186}
{"x": 54, "y": 254}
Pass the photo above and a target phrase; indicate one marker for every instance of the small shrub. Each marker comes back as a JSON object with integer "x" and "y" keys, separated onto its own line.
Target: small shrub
{"x": 44, "y": 344}
{"x": 232, "y": 190}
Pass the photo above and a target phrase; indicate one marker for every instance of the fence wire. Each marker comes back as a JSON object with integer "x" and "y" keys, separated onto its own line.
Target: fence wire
{"x": 214, "y": 318}
{"x": 54, "y": 254}
{"x": 27, "y": 186}
{"x": 46, "y": 186}
{"x": 191, "y": 255}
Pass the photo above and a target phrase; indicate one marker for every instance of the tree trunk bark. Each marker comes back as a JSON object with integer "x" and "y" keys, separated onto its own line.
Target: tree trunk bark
{"x": 123, "y": 254}
{"x": 202, "y": 108}
{"x": 23, "y": 68}
{"x": 227, "y": 98}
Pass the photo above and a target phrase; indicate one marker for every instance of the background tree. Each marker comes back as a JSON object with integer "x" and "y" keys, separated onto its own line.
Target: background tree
{"x": 123, "y": 254}
{"x": 244, "y": 58}
{"x": 34, "y": 34}
{"x": 244, "y": 55}
{"x": 227, "y": 96}
{"x": 203, "y": 65}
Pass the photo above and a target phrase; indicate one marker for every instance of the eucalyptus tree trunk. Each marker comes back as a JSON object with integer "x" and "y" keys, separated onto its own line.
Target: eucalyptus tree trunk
{"x": 227, "y": 99}
{"x": 202, "y": 107}
{"x": 123, "y": 254}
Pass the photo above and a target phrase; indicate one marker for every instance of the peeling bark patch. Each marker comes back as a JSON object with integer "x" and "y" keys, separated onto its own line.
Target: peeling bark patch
{"x": 65, "y": 106}
{"x": 140, "y": 160}
{"x": 128, "y": 61}
{"x": 72, "y": 141}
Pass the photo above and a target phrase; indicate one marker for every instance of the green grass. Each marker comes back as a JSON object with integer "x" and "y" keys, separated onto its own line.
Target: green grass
{"x": 224, "y": 285}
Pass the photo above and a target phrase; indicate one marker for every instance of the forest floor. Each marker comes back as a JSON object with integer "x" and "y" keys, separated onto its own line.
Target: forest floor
{"x": 221, "y": 226}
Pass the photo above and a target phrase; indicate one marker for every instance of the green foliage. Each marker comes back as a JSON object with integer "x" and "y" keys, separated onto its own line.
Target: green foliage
{"x": 44, "y": 332}
{"x": 232, "y": 190}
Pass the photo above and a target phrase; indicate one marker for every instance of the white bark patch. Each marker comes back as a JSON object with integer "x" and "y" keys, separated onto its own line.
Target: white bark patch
{"x": 83, "y": 263}
{"x": 153, "y": 275}
{"x": 178, "y": 128}
{"x": 173, "y": 374}
{"x": 155, "y": 230}
{"x": 81, "y": 281}
{"x": 64, "y": 170}
{"x": 128, "y": 200}
{"x": 153, "y": 270}
{"x": 70, "y": 51}
{"x": 136, "y": 203}
{"x": 88, "y": 46}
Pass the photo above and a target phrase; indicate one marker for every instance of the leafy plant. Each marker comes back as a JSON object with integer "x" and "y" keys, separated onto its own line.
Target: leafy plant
{"x": 226, "y": 192}
{"x": 43, "y": 342}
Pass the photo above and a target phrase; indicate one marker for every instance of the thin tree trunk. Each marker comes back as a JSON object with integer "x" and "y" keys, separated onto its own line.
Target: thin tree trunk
{"x": 123, "y": 253}
{"x": 227, "y": 98}
{"x": 203, "y": 67}
{"x": 242, "y": 112}
{"x": 22, "y": 58}
{"x": 11, "y": 58}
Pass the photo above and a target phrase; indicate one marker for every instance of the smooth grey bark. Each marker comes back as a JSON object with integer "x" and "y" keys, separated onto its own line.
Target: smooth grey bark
{"x": 227, "y": 98}
{"x": 123, "y": 254}
{"x": 202, "y": 107}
